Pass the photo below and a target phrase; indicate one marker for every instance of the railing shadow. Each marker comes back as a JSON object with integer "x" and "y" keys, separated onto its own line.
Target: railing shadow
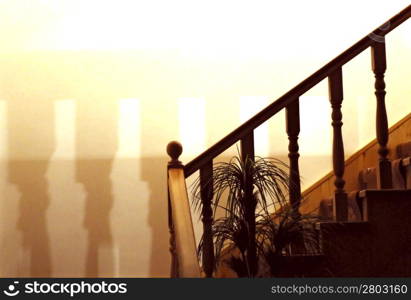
{"x": 29, "y": 176}
{"x": 94, "y": 175}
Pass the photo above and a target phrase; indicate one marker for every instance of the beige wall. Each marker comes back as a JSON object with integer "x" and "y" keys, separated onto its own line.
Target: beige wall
{"x": 83, "y": 125}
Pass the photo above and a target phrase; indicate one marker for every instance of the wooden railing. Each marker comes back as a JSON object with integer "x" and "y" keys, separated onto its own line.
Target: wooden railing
{"x": 290, "y": 102}
{"x": 182, "y": 239}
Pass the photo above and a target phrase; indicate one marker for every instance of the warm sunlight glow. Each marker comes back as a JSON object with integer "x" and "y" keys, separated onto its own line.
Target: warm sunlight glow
{"x": 129, "y": 128}
{"x": 224, "y": 28}
{"x": 406, "y": 33}
{"x": 3, "y": 129}
{"x": 192, "y": 125}
{"x": 249, "y": 106}
{"x": 65, "y": 116}
{"x": 92, "y": 91}
{"x": 315, "y": 137}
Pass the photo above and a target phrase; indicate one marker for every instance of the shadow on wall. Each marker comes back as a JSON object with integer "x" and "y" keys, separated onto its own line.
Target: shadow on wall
{"x": 115, "y": 221}
{"x": 155, "y": 173}
{"x": 117, "y": 214}
{"x": 96, "y": 136}
{"x": 28, "y": 115}
{"x": 138, "y": 205}
{"x": 95, "y": 176}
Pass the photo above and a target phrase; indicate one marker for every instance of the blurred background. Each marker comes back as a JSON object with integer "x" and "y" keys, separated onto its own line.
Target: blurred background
{"x": 92, "y": 91}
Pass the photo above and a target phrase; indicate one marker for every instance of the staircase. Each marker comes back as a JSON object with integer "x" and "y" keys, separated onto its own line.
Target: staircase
{"x": 369, "y": 232}
{"x": 360, "y": 172}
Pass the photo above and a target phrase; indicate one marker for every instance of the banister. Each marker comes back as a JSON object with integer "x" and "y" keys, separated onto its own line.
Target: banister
{"x": 182, "y": 242}
{"x": 296, "y": 92}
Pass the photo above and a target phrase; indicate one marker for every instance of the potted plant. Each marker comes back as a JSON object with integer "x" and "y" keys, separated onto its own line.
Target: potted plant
{"x": 257, "y": 220}
{"x": 287, "y": 241}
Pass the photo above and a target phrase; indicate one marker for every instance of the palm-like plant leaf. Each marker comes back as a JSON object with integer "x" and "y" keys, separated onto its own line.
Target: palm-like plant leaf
{"x": 269, "y": 178}
{"x": 248, "y": 191}
{"x": 277, "y": 233}
{"x": 228, "y": 230}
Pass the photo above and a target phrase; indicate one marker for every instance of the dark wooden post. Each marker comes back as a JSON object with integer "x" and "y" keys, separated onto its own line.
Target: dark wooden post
{"x": 174, "y": 150}
{"x": 292, "y": 124}
{"x": 247, "y": 147}
{"x": 247, "y": 156}
{"x": 206, "y": 186}
{"x": 335, "y": 86}
{"x": 379, "y": 65}
{"x": 292, "y": 117}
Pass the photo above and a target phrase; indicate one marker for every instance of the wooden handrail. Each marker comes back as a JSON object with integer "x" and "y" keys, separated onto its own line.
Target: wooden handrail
{"x": 183, "y": 245}
{"x": 296, "y": 92}
{"x": 182, "y": 237}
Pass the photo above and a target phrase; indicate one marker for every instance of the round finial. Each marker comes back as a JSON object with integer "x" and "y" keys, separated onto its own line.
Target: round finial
{"x": 174, "y": 150}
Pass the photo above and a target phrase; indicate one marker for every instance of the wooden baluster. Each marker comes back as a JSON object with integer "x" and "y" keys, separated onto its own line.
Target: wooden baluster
{"x": 335, "y": 86}
{"x": 247, "y": 156}
{"x": 379, "y": 65}
{"x": 206, "y": 186}
{"x": 174, "y": 150}
{"x": 293, "y": 129}
{"x": 292, "y": 117}
{"x": 247, "y": 147}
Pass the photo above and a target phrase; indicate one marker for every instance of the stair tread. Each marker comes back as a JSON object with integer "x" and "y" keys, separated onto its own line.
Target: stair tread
{"x": 404, "y": 149}
{"x": 366, "y": 192}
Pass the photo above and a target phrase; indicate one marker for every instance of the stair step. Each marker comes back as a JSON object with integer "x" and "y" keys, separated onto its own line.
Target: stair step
{"x": 301, "y": 266}
{"x": 354, "y": 210}
{"x": 378, "y": 246}
{"x": 404, "y": 150}
{"x": 367, "y": 180}
{"x": 401, "y": 175}
{"x": 399, "y": 147}
{"x": 346, "y": 247}
{"x": 406, "y": 170}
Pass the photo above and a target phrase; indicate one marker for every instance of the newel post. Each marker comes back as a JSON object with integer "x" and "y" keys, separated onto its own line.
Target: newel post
{"x": 174, "y": 150}
{"x": 335, "y": 86}
{"x": 379, "y": 65}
